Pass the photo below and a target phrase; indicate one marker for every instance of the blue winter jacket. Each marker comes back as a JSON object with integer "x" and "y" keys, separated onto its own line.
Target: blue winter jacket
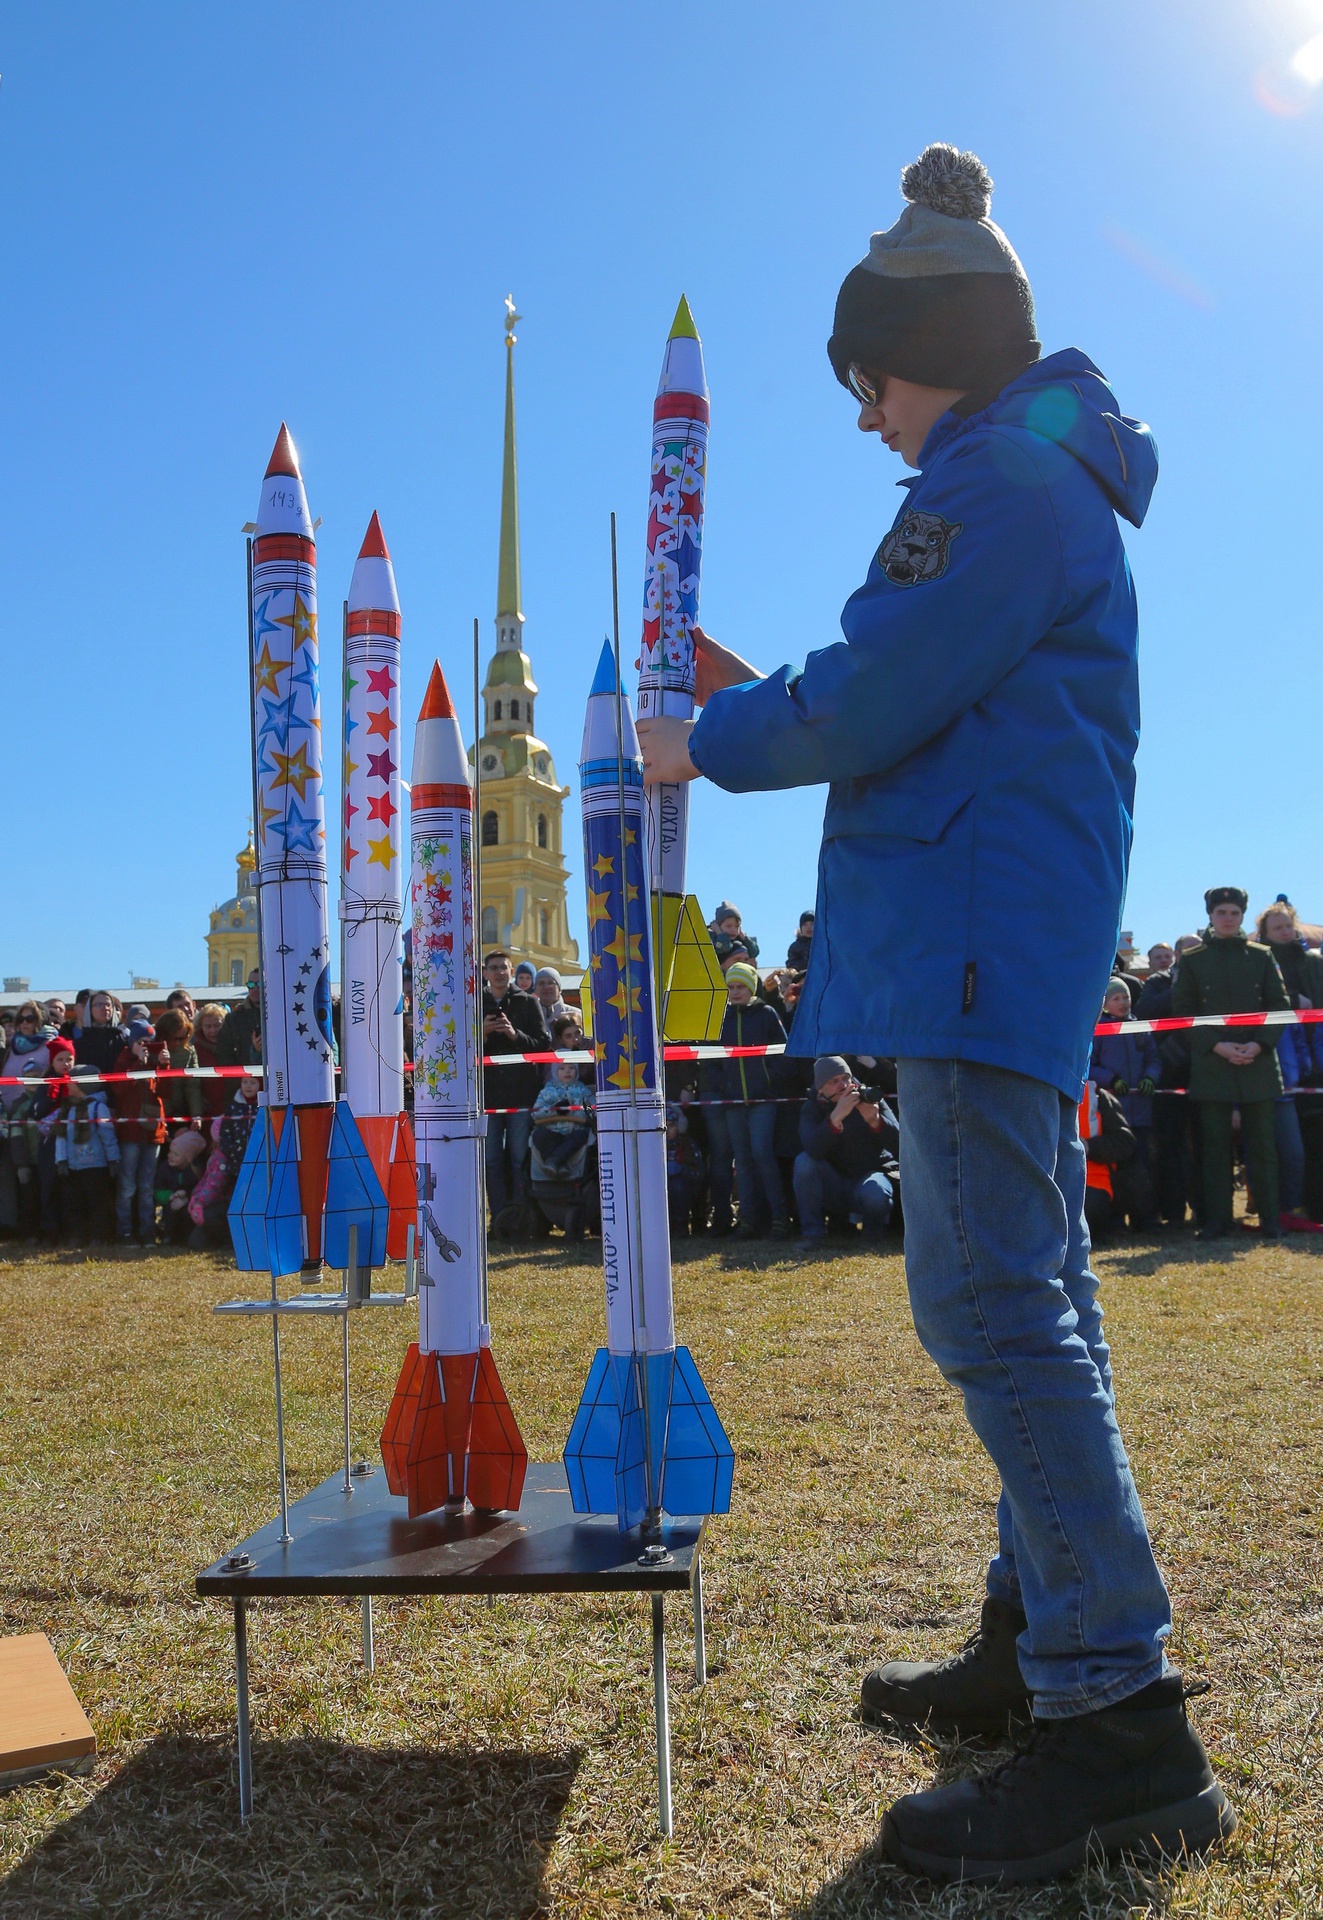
{"x": 977, "y": 726}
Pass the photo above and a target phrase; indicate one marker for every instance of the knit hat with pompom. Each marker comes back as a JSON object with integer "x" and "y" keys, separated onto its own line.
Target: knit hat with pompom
{"x": 941, "y": 298}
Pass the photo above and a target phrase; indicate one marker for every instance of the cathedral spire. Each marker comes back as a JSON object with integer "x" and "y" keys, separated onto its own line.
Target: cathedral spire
{"x": 509, "y": 593}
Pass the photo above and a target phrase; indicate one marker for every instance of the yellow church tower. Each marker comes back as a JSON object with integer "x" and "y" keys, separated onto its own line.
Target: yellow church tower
{"x": 523, "y": 872}
{"x": 232, "y": 951}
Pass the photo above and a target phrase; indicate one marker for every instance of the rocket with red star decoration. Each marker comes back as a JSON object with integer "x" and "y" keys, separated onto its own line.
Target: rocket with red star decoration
{"x": 306, "y": 1184}
{"x": 450, "y": 1436}
{"x": 371, "y": 902}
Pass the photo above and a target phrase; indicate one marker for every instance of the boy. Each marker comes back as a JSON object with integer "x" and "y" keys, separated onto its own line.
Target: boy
{"x": 978, "y": 727}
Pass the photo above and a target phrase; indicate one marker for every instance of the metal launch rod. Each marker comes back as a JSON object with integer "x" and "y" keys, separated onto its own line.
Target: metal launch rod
{"x": 652, "y": 1515}
{"x": 285, "y": 1533}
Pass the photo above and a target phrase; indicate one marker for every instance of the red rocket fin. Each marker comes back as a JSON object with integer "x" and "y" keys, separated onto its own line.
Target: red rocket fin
{"x": 283, "y": 457}
{"x": 437, "y": 704}
{"x": 401, "y": 1190}
{"x": 400, "y": 1418}
{"x": 498, "y": 1458}
{"x": 374, "y": 542}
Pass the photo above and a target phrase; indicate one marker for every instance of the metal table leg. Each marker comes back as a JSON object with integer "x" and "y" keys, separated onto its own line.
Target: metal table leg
{"x": 700, "y": 1625}
{"x": 663, "y": 1716}
{"x": 241, "y": 1696}
{"x": 369, "y": 1643}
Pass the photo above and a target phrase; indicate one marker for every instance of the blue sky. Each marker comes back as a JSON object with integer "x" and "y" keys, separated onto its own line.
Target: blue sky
{"x": 214, "y": 218}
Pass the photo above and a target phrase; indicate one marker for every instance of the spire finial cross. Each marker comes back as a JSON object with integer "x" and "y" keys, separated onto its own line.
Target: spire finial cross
{"x": 512, "y": 320}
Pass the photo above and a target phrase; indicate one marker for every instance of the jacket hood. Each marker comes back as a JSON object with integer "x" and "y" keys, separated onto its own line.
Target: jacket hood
{"x": 1065, "y": 399}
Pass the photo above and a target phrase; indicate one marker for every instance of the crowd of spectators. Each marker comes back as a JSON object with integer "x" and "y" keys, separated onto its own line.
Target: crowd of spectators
{"x": 758, "y": 1145}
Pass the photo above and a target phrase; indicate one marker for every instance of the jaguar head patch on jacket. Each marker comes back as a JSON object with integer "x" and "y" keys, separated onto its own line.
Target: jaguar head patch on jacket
{"x": 917, "y": 548}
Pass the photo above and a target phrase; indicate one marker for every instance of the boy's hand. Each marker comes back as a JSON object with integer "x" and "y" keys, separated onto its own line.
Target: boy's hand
{"x": 716, "y": 667}
{"x": 665, "y": 743}
{"x": 1148, "y": 1085}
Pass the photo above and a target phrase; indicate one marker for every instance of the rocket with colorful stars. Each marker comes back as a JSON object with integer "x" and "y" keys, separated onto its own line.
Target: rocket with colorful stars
{"x": 692, "y": 991}
{"x": 305, "y": 1183}
{"x": 371, "y": 903}
{"x": 646, "y": 1437}
{"x": 450, "y": 1435}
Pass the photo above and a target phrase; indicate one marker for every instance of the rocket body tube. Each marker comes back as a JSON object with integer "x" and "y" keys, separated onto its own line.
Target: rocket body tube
{"x": 290, "y": 829}
{"x": 646, "y": 1437}
{"x": 450, "y": 1434}
{"x": 672, "y": 576}
{"x": 371, "y": 904}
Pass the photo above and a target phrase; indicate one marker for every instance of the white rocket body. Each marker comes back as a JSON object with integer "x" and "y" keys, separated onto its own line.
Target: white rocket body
{"x": 290, "y": 828}
{"x": 671, "y": 579}
{"x": 371, "y": 888}
{"x": 449, "y": 1125}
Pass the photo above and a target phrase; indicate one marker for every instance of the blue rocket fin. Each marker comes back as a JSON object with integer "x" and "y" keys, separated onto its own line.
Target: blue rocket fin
{"x": 247, "y": 1209}
{"x": 699, "y": 1469}
{"x": 286, "y": 1244}
{"x": 612, "y": 1452}
{"x": 590, "y": 1451}
{"x": 354, "y": 1197}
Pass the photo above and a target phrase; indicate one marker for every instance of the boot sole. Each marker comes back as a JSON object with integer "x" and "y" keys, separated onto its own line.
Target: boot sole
{"x": 930, "y": 1721}
{"x": 1185, "y": 1827}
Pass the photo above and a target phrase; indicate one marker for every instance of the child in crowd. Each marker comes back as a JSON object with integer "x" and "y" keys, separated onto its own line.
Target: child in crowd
{"x": 209, "y": 1201}
{"x": 183, "y": 1098}
{"x": 140, "y": 1122}
{"x": 86, "y": 1158}
{"x": 729, "y": 937}
{"x": 684, "y": 1174}
{"x": 562, "y": 1114}
{"x": 178, "y": 1173}
{"x": 1127, "y": 1065}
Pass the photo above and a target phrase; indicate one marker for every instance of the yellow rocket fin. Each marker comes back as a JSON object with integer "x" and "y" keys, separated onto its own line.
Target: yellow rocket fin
{"x": 690, "y": 985}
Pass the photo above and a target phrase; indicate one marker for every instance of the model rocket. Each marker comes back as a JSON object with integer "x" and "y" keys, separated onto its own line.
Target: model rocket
{"x": 450, "y": 1434}
{"x": 306, "y": 1181}
{"x": 690, "y": 984}
{"x": 646, "y": 1436}
{"x": 371, "y": 903}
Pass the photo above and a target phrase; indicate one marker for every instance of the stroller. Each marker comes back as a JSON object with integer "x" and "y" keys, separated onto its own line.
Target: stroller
{"x": 566, "y": 1195}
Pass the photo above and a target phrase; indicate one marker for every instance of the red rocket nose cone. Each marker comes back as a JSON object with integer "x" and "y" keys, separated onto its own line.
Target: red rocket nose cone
{"x": 374, "y": 542}
{"x": 437, "y": 704}
{"x": 283, "y": 457}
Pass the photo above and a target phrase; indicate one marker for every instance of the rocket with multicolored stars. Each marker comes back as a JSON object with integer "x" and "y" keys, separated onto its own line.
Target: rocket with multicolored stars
{"x": 691, "y": 990}
{"x": 646, "y": 1437}
{"x": 371, "y": 893}
{"x": 305, "y": 1184}
{"x": 450, "y": 1435}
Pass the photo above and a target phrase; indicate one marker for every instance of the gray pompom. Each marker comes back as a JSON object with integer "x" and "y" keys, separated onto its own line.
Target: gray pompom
{"x": 949, "y": 182}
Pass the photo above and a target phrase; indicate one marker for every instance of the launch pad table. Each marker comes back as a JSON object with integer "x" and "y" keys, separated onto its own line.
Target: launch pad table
{"x": 360, "y": 1543}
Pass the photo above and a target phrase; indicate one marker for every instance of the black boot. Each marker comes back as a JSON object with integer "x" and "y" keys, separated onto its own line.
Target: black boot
{"x": 1133, "y": 1779}
{"x": 978, "y": 1690}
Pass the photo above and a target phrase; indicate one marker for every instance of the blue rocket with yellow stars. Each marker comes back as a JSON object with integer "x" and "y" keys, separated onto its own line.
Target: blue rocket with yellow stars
{"x": 646, "y": 1439}
{"x": 306, "y": 1178}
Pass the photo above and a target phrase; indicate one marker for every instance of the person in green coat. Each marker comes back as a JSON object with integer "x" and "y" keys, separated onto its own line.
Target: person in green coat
{"x": 1233, "y": 1066}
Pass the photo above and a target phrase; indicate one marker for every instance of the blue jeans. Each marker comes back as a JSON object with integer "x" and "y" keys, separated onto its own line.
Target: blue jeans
{"x": 757, "y": 1174}
{"x": 997, "y": 1259}
{"x": 1290, "y": 1154}
{"x": 506, "y": 1180}
{"x": 137, "y": 1178}
{"x": 720, "y": 1165}
{"x": 820, "y": 1190}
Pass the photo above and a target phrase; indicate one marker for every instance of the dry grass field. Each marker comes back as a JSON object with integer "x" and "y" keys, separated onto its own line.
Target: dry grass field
{"x": 499, "y": 1762}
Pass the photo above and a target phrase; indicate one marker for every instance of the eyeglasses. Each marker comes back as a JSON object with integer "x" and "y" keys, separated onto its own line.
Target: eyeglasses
{"x": 24, "y": 1018}
{"x": 862, "y": 385}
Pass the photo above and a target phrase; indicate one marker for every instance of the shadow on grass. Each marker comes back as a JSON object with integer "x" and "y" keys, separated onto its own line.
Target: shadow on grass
{"x": 336, "y": 1829}
{"x": 870, "y": 1888}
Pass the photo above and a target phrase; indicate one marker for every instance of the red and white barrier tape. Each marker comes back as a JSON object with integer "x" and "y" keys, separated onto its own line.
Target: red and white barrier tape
{"x": 710, "y": 1050}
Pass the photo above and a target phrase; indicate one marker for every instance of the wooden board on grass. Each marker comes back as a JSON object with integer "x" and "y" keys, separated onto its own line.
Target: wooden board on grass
{"x": 41, "y": 1723}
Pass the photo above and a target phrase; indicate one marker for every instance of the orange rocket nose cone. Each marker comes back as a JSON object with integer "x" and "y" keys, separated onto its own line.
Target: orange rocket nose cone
{"x": 437, "y": 704}
{"x": 283, "y": 457}
{"x": 374, "y": 542}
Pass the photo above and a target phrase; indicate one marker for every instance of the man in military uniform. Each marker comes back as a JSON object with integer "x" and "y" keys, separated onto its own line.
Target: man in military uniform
{"x": 1233, "y": 1067}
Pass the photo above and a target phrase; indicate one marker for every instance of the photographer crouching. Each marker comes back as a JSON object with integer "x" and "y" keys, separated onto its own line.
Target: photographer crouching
{"x": 848, "y": 1139}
